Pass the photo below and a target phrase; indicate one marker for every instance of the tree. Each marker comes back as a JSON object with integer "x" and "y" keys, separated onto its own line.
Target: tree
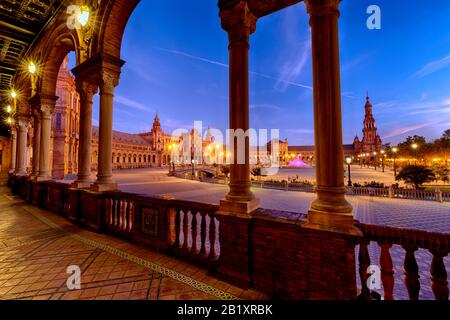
{"x": 446, "y": 135}
{"x": 225, "y": 170}
{"x": 441, "y": 173}
{"x": 256, "y": 171}
{"x": 416, "y": 175}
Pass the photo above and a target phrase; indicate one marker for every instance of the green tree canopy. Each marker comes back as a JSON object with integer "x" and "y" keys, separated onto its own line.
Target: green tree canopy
{"x": 416, "y": 175}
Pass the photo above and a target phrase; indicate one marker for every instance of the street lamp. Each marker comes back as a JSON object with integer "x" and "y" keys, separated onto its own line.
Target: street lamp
{"x": 382, "y": 159}
{"x": 14, "y": 96}
{"x": 375, "y": 160}
{"x": 193, "y": 168}
{"x": 414, "y": 146}
{"x": 32, "y": 70}
{"x": 395, "y": 150}
{"x": 83, "y": 18}
{"x": 349, "y": 162}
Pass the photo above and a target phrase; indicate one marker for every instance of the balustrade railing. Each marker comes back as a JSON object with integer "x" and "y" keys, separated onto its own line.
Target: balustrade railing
{"x": 188, "y": 230}
{"x": 192, "y": 231}
{"x": 438, "y": 244}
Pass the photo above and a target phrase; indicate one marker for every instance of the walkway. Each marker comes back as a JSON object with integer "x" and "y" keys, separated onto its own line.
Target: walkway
{"x": 36, "y": 248}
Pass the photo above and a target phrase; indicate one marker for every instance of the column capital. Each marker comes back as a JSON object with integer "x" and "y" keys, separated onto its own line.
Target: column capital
{"x": 108, "y": 80}
{"x": 102, "y": 69}
{"x": 240, "y": 23}
{"x": 22, "y": 121}
{"x": 319, "y": 8}
{"x": 85, "y": 89}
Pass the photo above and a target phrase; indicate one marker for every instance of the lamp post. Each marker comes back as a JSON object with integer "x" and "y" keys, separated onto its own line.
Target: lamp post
{"x": 375, "y": 160}
{"x": 14, "y": 96}
{"x": 382, "y": 160}
{"x": 193, "y": 168}
{"x": 349, "y": 162}
{"x": 394, "y": 151}
{"x": 32, "y": 70}
{"x": 414, "y": 146}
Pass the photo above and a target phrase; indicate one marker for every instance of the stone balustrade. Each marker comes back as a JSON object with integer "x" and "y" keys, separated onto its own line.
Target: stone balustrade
{"x": 438, "y": 244}
{"x": 273, "y": 252}
{"x": 400, "y": 193}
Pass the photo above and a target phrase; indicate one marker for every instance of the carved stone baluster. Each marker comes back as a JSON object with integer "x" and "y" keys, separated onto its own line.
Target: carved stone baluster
{"x": 125, "y": 215}
{"x": 110, "y": 211}
{"x": 177, "y": 228}
{"x": 439, "y": 282}
{"x": 411, "y": 272}
{"x": 121, "y": 211}
{"x": 364, "y": 263}
{"x": 130, "y": 216}
{"x": 212, "y": 239}
{"x": 115, "y": 212}
{"x": 185, "y": 230}
{"x": 194, "y": 233}
{"x": 387, "y": 271}
{"x": 202, "y": 252}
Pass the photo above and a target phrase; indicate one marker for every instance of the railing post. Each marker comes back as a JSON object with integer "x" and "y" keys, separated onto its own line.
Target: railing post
{"x": 438, "y": 195}
{"x": 411, "y": 272}
{"x": 439, "y": 282}
{"x": 364, "y": 263}
{"x": 391, "y": 192}
{"x": 387, "y": 271}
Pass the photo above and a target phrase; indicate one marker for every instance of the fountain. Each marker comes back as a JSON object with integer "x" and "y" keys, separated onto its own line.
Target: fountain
{"x": 298, "y": 163}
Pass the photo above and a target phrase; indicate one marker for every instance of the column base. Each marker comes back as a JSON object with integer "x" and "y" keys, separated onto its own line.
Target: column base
{"x": 334, "y": 222}
{"x": 42, "y": 179}
{"x": 81, "y": 184}
{"x": 104, "y": 187}
{"x": 239, "y": 207}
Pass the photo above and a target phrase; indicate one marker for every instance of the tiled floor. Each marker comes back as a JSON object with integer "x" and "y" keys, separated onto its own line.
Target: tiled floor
{"x": 37, "y": 247}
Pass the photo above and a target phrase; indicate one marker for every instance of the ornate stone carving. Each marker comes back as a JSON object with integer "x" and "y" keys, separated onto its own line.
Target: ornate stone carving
{"x": 47, "y": 110}
{"x": 86, "y": 90}
{"x": 22, "y": 123}
{"x": 108, "y": 81}
{"x": 318, "y": 8}
{"x": 240, "y": 23}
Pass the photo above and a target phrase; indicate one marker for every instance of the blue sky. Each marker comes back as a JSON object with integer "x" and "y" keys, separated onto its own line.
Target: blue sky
{"x": 176, "y": 54}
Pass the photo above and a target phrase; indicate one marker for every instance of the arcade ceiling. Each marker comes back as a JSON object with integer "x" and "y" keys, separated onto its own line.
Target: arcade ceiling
{"x": 20, "y": 24}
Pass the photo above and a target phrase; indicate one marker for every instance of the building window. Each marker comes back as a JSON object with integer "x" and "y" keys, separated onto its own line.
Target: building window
{"x": 58, "y": 121}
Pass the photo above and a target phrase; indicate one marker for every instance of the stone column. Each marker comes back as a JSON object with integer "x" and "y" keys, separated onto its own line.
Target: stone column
{"x": 46, "y": 109}
{"x": 104, "y": 181}
{"x": 13, "y": 150}
{"x": 240, "y": 23}
{"x": 22, "y": 136}
{"x": 36, "y": 143}
{"x": 86, "y": 92}
{"x": 330, "y": 210}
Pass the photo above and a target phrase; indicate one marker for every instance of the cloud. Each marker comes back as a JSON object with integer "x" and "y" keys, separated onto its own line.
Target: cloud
{"x": 187, "y": 55}
{"x": 403, "y": 130}
{"x": 300, "y": 131}
{"x": 224, "y": 65}
{"x": 413, "y": 108}
{"x": 131, "y": 103}
{"x": 265, "y": 106}
{"x": 294, "y": 65}
{"x": 432, "y": 67}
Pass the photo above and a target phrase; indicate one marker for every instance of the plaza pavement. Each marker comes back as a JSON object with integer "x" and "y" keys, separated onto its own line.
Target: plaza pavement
{"x": 36, "y": 246}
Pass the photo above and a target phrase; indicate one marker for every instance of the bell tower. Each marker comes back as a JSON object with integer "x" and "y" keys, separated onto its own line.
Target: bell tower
{"x": 371, "y": 141}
